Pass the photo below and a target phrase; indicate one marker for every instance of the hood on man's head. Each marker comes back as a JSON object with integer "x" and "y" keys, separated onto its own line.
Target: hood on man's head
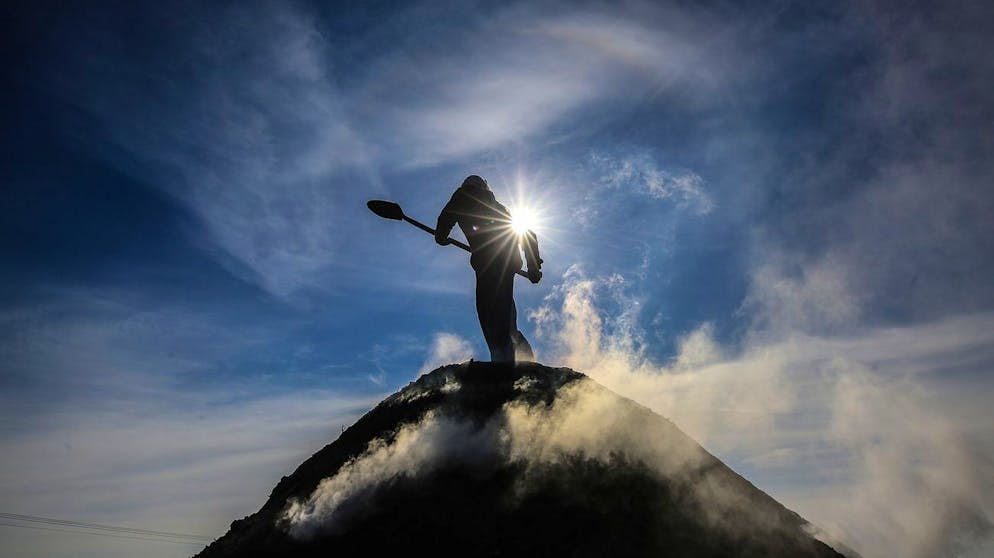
{"x": 474, "y": 181}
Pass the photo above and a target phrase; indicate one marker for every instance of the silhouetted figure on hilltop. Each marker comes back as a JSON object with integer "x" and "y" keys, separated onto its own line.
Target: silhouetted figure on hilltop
{"x": 496, "y": 256}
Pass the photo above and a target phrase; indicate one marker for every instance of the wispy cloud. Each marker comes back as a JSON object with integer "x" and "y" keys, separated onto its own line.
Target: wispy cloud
{"x": 116, "y": 413}
{"x": 90, "y": 339}
{"x": 513, "y": 77}
{"x": 250, "y": 142}
{"x": 639, "y": 173}
{"x": 661, "y": 44}
{"x": 189, "y": 466}
{"x": 262, "y": 141}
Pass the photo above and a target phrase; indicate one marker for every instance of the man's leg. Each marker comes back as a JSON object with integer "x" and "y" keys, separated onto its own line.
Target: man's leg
{"x": 491, "y": 296}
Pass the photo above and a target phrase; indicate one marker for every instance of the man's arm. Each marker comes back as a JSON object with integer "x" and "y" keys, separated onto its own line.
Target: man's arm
{"x": 447, "y": 218}
{"x": 529, "y": 242}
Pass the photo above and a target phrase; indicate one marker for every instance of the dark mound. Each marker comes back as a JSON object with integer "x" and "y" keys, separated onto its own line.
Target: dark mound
{"x": 543, "y": 462}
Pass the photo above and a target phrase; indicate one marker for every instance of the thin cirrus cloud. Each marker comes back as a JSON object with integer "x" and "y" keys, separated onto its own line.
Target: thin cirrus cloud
{"x": 181, "y": 468}
{"x": 254, "y": 143}
{"x": 639, "y": 173}
{"x": 249, "y": 140}
{"x": 82, "y": 340}
{"x": 118, "y": 413}
{"x": 262, "y": 137}
{"x": 513, "y": 78}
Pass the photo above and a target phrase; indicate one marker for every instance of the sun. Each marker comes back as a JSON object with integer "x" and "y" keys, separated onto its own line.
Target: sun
{"x": 522, "y": 219}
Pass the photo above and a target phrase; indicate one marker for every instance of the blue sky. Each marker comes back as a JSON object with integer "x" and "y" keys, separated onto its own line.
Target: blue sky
{"x": 772, "y": 215}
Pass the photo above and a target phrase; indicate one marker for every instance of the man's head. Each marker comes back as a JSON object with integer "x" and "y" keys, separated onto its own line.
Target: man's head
{"x": 474, "y": 181}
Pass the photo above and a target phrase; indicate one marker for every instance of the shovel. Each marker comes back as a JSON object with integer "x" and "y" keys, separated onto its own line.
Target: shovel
{"x": 391, "y": 210}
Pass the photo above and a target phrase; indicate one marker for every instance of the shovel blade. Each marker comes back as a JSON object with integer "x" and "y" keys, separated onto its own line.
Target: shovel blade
{"x": 386, "y": 209}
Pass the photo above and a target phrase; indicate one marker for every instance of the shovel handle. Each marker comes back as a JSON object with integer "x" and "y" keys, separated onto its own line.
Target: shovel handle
{"x": 452, "y": 241}
{"x": 431, "y": 231}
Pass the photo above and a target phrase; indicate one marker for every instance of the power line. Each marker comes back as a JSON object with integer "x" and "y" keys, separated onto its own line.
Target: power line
{"x": 198, "y": 543}
{"x": 99, "y": 529}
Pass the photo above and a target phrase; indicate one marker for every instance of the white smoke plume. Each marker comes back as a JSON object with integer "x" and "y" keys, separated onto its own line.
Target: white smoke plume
{"x": 415, "y": 448}
{"x": 584, "y": 420}
{"x": 897, "y": 477}
{"x": 889, "y": 473}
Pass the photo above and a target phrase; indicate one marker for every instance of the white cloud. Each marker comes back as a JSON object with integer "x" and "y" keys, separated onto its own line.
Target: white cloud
{"x": 786, "y": 295}
{"x": 271, "y": 134}
{"x": 512, "y": 78}
{"x": 663, "y": 44}
{"x": 446, "y": 348}
{"x": 698, "y": 349}
{"x": 639, "y": 173}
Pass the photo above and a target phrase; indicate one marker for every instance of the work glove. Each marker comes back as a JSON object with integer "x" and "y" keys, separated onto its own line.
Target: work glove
{"x": 534, "y": 276}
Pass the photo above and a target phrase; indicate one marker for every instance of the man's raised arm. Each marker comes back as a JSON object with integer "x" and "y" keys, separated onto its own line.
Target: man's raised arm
{"x": 529, "y": 242}
{"x": 447, "y": 218}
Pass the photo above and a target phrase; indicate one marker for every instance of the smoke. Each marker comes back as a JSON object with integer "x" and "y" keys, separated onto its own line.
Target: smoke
{"x": 414, "y": 449}
{"x": 874, "y": 460}
{"x": 583, "y": 420}
{"x": 852, "y": 417}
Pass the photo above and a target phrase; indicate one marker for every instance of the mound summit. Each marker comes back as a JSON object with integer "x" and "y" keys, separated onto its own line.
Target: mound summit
{"x": 481, "y": 459}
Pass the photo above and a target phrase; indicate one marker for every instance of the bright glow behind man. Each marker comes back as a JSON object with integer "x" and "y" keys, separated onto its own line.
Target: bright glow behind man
{"x": 522, "y": 219}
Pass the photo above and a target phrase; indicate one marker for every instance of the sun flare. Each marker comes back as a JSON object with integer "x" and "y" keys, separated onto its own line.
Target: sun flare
{"x": 522, "y": 219}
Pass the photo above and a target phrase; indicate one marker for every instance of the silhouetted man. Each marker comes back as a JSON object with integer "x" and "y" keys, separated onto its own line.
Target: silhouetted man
{"x": 496, "y": 257}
